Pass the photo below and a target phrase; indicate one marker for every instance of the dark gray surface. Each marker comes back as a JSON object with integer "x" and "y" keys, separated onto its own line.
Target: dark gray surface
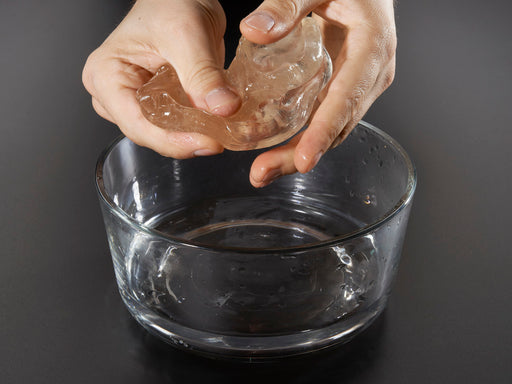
{"x": 450, "y": 316}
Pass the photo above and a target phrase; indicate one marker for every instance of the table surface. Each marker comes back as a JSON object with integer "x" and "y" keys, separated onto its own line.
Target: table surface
{"x": 449, "y": 319}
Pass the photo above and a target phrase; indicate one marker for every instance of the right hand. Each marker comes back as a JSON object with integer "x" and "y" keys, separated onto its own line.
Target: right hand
{"x": 188, "y": 34}
{"x": 360, "y": 36}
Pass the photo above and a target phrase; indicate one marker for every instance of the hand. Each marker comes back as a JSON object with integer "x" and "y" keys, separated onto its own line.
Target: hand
{"x": 360, "y": 36}
{"x": 188, "y": 34}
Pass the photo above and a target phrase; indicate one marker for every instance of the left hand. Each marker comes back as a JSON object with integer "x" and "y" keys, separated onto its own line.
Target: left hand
{"x": 360, "y": 36}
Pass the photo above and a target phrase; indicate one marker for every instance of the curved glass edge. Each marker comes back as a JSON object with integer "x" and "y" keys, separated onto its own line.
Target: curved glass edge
{"x": 404, "y": 201}
{"x": 253, "y": 346}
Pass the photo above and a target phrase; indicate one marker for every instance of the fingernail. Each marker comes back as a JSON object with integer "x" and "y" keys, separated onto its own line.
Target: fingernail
{"x": 222, "y": 101}
{"x": 312, "y": 161}
{"x": 205, "y": 152}
{"x": 260, "y": 21}
{"x": 316, "y": 159}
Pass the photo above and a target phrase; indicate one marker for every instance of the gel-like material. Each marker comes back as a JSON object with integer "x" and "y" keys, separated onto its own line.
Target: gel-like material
{"x": 278, "y": 83}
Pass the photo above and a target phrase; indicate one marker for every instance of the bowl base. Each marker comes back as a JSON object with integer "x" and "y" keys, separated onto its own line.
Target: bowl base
{"x": 252, "y": 348}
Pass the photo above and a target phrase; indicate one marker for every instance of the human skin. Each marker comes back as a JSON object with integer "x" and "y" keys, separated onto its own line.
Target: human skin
{"x": 360, "y": 36}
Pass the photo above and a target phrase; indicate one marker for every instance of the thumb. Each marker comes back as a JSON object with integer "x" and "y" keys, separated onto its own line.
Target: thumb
{"x": 199, "y": 65}
{"x": 205, "y": 83}
{"x": 274, "y": 19}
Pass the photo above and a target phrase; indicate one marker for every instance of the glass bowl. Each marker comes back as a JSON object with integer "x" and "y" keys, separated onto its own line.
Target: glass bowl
{"x": 212, "y": 265}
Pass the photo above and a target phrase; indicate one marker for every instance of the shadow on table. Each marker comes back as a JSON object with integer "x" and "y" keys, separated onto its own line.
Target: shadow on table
{"x": 343, "y": 363}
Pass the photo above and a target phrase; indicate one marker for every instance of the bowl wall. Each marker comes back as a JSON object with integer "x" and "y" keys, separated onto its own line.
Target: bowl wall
{"x": 212, "y": 264}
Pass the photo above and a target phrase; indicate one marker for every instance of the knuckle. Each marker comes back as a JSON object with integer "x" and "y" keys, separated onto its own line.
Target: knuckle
{"x": 213, "y": 14}
{"x": 202, "y": 74}
{"x": 287, "y": 10}
{"x": 88, "y": 72}
{"x": 388, "y": 77}
{"x": 390, "y": 48}
{"x": 98, "y": 108}
{"x": 355, "y": 99}
{"x": 387, "y": 43}
{"x": 382, "y": 41}
{"x": 293, "y": 7}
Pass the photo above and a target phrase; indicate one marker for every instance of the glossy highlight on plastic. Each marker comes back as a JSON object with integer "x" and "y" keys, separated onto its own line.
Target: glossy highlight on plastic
{"x": 278, "y": 83}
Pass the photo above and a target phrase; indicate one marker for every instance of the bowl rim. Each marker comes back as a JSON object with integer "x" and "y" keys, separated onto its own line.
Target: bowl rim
{"x": 403, "y": 202}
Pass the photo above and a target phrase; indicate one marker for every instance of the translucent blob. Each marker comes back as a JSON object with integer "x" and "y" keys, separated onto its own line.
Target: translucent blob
{"x": 278, "y": 84}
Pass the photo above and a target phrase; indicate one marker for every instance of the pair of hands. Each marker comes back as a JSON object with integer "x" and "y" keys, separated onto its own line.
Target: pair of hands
{"x": 359, "y": 35}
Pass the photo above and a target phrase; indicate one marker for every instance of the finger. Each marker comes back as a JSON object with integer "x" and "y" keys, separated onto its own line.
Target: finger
{"x": 274, "y": 19}
{"x": 118, "y": 98}
{"x": 271, "y": 165}
{"x": 384, "y": 80}
{"x": 178, "y": 145}
{"x": 281, "y": 161}
{"x": 198, "y": 57}
{"x": 348, "y": 94}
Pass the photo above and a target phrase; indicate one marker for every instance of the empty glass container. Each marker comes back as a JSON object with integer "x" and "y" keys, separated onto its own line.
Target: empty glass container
{"x": 212, "y": 265}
